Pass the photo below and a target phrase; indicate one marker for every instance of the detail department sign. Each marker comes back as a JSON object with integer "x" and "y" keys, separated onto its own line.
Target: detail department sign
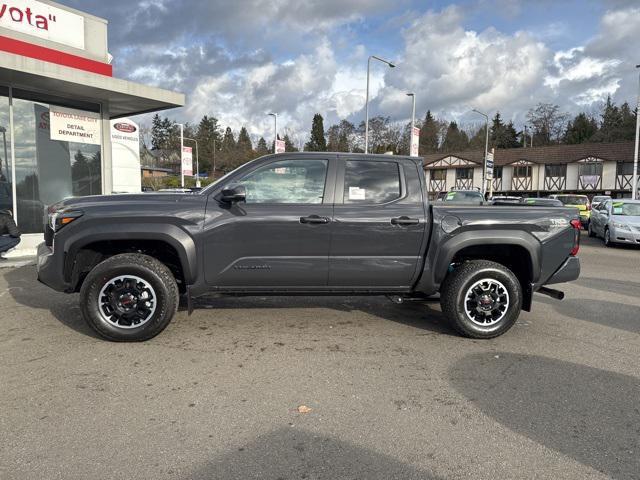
{"x": 76, "y": 126}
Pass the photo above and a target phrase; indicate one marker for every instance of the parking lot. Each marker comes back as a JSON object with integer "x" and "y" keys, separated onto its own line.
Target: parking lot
{"x": 391, "y": 391}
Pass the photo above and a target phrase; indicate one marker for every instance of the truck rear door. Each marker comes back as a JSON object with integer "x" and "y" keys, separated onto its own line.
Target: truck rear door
{"x": 379, "y": 224}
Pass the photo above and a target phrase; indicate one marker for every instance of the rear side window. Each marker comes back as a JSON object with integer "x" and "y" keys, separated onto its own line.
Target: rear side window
{"x": 369, "y": 183}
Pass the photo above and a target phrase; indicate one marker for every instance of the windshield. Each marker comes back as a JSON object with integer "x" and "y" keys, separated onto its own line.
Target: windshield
{"x": 463, "y": 197}
{"x": 573, "y": 199}
{"x": 626, "y": 209}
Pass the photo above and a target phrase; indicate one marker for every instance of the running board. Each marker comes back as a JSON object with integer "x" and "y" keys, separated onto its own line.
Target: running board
{"x": 550, "y": 292}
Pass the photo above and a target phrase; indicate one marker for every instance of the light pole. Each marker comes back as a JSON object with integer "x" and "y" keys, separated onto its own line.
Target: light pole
{"x": 181, "y": 153}
{"x": 634, "y": 181}
{"x": 275, "y": 130}
{"x": 366, "y": 105}
{"x": 486, "y": 151}
{"x": 413, "y": 118}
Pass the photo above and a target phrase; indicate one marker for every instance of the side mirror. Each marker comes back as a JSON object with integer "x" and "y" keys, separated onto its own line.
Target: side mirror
{"x": 234, "y": 194}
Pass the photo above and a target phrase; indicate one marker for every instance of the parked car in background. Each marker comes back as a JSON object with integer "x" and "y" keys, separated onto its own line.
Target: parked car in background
{"x": 598, "y": 199}
{"x": 616, "y": 221}
{"x": 581, "y": 202}
{"x": 505, "y": 199}
{"x": 473, "y": 197}
{"x": 542, "y": 202}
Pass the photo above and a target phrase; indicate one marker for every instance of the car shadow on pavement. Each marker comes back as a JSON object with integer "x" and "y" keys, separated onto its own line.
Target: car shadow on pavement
{"x": 603, "y": 312}
{"x": 422, "y": 315}
{"x": 588, "y": 414}
{"x": 622, "y": 287}
{"x": 25, "y": 289}
{"x": 293, "y": 453}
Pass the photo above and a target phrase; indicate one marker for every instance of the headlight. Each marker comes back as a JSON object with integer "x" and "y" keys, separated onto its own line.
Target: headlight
{"x": 620, "y": 226}
{"x": 58, "y": 219}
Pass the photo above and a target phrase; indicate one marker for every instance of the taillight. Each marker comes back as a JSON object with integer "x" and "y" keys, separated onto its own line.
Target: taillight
{"x": 577, "y": 226}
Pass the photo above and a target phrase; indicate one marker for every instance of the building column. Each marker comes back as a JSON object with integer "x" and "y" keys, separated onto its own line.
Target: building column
{"x": 107, "y": 164}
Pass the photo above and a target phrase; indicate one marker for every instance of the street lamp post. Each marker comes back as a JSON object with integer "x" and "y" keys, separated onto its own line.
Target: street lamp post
{"x": 413, "y": 118}
{"x": 634, "y": 181}
{"x": 6, "y": 158}
{"x": 366, "y": 105}
{"x": 275, "y": 130}
{"x": 486, "y": 152}
{"x": 181, "y": 153}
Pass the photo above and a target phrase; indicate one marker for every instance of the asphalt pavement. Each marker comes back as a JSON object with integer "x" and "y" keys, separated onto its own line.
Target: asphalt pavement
{"x": 390, "y": 392}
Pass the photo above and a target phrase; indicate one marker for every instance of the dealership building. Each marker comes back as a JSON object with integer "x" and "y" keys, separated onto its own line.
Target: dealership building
{"x": 64, "y": 126}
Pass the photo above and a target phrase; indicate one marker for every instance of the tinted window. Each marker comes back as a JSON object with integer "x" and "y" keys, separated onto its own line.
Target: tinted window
{"x": 287, "y": 181}
{"x": 573, "y": 199}
{"x": 371, "y": 182}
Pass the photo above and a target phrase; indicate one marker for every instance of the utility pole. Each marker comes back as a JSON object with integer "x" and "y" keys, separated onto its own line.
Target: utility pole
{"x": 181, "y": 153}
{"x": 275, "y": 130}
{"x": 634, "y": 181}
{"x": 413, "y": 119}
{"x": 486, "y": 152}
{"x": 366, "y": 105}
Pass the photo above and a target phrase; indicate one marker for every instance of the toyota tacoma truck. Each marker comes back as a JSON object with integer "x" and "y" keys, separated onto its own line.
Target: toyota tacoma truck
{"x": 305, "y": 224}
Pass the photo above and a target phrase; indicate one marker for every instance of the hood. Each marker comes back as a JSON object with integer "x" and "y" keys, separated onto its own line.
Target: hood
{"x": 121, "y": 199}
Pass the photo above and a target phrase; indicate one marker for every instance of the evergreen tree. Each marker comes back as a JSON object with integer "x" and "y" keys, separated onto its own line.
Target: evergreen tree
{"x": 209, "y": 137}
{"x": 340, "y": 137}
{"x": 611, "y": 122}
{"x": 455, "y": 140}
{"x": 288, "y": 144}
{"x": 244, "y": 147}
{"x": 317, "y": 142}
{"x": 261, "y": 147}
{"x": 478, "y": 139}
{"x": 228, "y": 150}
{"x": 627, "y": 123}
{"x": 429, "y": 135}
{"x": 160, "y": 131}
{"x": 580, "y": 130}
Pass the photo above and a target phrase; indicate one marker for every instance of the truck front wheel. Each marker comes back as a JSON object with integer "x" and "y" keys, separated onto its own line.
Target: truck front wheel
{"x": 481, "y": 299}
{"x": 129, "y": 298}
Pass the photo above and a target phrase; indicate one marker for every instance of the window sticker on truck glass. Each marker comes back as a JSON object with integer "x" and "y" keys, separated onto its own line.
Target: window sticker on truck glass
{"x": 357, "y": 193}
{"x": 451, "y": 195}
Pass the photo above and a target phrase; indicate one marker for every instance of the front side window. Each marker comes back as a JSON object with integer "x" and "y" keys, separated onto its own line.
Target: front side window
{"x": 367, "y": 182}
{"x": 287, "y": 181}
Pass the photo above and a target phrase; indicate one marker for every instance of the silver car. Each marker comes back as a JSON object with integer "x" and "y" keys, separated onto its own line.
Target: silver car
{"x": 617, "y": 221}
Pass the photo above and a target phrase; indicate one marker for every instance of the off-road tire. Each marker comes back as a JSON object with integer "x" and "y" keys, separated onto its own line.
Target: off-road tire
{"x": 145, "y": 267}
{"x": 459, "y": 281}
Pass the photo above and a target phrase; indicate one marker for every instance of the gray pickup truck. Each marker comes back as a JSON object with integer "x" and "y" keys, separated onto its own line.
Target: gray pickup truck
{"x": 305, "y": 224}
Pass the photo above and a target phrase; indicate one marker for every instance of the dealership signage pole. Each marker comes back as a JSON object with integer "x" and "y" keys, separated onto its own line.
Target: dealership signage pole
{"x": 366, "y": 104}
{"x": 486, "y": 151}
{"x": 634, "y": 181}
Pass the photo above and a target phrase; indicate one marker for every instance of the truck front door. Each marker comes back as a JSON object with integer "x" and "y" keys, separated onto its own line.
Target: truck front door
{"x": 279, "y": 238}
{"x": 378, "y": 232}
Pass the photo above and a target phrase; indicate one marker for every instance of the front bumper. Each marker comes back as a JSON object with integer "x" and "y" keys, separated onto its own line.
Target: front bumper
{"x": 629, "y": 237}
{"x": 568, "y": 272}
{"x": 50, "y": 268}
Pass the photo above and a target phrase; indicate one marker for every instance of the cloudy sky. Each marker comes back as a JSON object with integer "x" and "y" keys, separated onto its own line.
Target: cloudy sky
{"x": 238, "y": 60}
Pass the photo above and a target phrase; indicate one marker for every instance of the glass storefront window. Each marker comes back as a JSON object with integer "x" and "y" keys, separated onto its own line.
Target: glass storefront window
{"x": 47, "y": 170}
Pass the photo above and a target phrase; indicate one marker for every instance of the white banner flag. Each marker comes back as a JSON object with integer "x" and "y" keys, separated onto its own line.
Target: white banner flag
{"x": 489, "y": 175}
{"x": 187, "y": 161}
{"x": 280, "y": 146}
{"x": 415, "y": 142}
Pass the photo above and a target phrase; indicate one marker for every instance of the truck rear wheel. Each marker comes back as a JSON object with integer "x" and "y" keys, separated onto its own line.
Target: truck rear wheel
{"x": 481, "y": 299}
{"x": 129, "y": 298}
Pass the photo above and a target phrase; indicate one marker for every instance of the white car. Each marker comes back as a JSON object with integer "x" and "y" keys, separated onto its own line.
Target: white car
{"x": 616, "y": 221}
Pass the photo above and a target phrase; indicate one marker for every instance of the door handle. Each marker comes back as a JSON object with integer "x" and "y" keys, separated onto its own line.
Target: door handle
{"x": 314, "y": 219}
{"x": 404, "y": 221}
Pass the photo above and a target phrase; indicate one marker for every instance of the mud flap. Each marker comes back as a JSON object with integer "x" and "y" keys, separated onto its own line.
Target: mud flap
{"x": 189, "y": 301}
